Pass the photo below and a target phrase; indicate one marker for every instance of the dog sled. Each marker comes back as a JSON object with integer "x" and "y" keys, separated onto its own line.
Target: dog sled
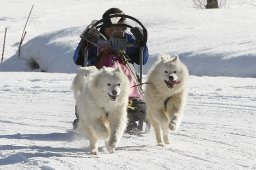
{"x": 111, "y": 52}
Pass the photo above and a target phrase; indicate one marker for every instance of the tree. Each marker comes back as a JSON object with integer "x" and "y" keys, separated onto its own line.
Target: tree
{"x": 208, "y": 4}
{"x": 212, "y": 4}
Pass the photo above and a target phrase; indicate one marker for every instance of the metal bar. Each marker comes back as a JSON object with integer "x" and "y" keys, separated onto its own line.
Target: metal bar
{"x": 141, "y": 63}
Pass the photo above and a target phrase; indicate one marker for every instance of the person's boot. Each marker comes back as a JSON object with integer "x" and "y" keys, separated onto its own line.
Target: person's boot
{"x": 75, "y": 122}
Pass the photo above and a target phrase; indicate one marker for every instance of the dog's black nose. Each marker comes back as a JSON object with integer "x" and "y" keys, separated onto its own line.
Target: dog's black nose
{"x": 114, "y": 92}
{"x": 171, "y": 78}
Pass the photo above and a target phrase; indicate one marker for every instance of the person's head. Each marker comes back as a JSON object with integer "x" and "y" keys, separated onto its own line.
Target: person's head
{"x": 108, "y": 30}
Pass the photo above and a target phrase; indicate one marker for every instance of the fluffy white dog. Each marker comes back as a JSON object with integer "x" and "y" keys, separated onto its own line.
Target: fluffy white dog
{"x": 166, "y": 95}
{"x": 83, "y": 75}
{"x": 102, "y": 106}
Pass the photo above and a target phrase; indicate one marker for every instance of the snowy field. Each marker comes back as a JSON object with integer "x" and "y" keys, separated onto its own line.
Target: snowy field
{"x": 37, "y": 109}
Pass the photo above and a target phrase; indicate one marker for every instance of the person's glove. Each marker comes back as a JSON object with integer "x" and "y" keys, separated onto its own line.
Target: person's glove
{"x": 90, "y": 34}
{"x": 137, "y": 32}
{"x": 83, "y": 44}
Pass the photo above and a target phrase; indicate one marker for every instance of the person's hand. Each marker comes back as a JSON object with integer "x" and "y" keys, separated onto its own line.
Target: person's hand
{"x": 84, "y": 45}
{"x": 137, "y": 32}
{"x": 90, "y": 33}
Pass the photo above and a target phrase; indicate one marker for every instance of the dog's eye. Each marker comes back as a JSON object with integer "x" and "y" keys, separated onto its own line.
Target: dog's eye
{"x": 175, "y": 72}
{"x": 119, "y": 84}
{"x": 108, "y": 84}
{"x": 166, "y": 71}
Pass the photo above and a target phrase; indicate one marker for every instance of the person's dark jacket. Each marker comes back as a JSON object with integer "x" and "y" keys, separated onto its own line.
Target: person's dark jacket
{"x": 132, "y": 52}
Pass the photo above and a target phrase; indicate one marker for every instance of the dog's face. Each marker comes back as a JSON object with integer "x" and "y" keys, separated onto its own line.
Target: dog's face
{"x": 171, "y": 71}
{"x": 113, "y": 83}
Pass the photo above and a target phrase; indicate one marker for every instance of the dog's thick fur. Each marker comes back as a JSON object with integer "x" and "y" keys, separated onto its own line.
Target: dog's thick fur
{"x": 166, "y": 95}
{"x": 83, "y": 75}
{"x": 102, "y": 106}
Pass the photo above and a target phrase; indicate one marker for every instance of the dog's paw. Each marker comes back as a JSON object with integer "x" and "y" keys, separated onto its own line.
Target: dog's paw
{"x": 110, "y": 148}
{"x": 94, "y": 152}
{"x": 172, "y": 126}
{"x": 161, "y": 144}
{"x": 166, "y": 141}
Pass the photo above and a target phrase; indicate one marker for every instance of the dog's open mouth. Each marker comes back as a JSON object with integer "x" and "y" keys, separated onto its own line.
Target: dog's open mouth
{"x": 112, "y": 97}
{"x": 170, "y": 84}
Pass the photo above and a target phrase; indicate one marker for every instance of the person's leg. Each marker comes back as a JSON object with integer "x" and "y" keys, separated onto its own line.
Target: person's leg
{"x": 75, "y": 122}
{"x": 136, "y": 112}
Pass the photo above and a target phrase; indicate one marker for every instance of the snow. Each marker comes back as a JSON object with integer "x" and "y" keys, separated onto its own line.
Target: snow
{"x": 37, "y": 109}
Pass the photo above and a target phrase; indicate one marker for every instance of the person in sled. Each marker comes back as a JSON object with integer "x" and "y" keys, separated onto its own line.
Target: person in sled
{"x": 87, "y": 54}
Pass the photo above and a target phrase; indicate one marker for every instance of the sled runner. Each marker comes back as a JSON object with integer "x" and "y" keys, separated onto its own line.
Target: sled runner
{"x": 114, "y": 52}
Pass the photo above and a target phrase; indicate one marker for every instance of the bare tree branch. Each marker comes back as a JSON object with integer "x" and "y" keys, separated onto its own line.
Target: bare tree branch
{"x": 4, "y": 44}
{"x": 24, "y": 32}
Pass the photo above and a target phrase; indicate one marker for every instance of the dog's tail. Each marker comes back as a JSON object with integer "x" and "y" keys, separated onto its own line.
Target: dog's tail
{"x": 81, "y": 79}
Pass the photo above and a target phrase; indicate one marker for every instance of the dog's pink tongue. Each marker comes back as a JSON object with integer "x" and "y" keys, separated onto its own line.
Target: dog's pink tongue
{"x": 177, "y": 82}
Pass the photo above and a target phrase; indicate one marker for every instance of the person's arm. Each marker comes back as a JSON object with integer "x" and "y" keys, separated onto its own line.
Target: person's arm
{"x": 79, "y": 53}
{"x": 85, "y": 50}
{"x": 134, "y": 52}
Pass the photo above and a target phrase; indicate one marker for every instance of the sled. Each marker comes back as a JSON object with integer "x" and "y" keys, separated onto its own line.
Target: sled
{"x": 92, "y": 35}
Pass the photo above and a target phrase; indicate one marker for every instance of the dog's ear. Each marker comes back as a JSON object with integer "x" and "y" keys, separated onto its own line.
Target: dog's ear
{"x": 118, "y": 69}
{"x": 164, "y": 57}
{"x": 93, "y": 67}
{"x": 104, "y": 68}
{"x": 167, "y": 58}
{"x": 175, "y": 59}
{"x": 83, "y": 69}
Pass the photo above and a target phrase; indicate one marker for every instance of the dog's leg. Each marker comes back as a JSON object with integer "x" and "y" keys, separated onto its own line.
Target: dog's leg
{"x": 157, "y": 128}
{"x": 163, "y": 123}
{"x": 117, "y": 123}
{"x": 92, "y": 138}
{"x": 176, "y": 121}
{"x": 101, "y": 130}
{"x": 178, "y": 102}
{"x": 165, "y": 128}
{"x": 158, "y": 133}
{"x": 166, "y": 132}
{"x": 93, "y": 145}
{"x": 93, "y": 142}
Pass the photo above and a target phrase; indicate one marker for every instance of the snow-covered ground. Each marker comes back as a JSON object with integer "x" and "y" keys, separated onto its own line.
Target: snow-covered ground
{"x": 37, "y": 109}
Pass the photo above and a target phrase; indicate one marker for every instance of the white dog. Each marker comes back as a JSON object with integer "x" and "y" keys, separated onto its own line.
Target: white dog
{"x": 83, "y": 75}
{"x": 102, "y": 108}
{"x": 165, "y": 96}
